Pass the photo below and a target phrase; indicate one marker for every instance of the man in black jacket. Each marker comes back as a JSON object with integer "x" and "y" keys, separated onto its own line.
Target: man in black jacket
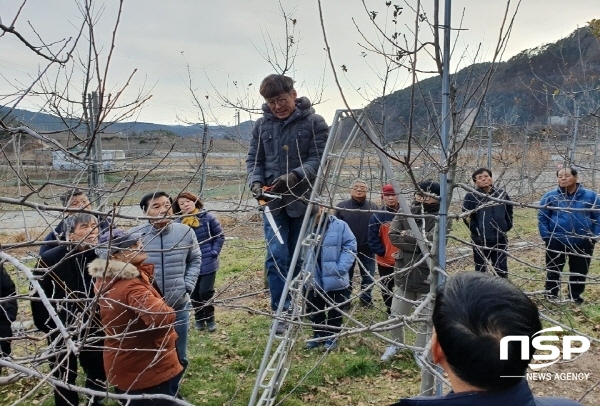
{"x": 357, "y": 212}
{"x": 8, "y": 310}
{"x": 69, "y": 286}
{"x": 489, "y": 221}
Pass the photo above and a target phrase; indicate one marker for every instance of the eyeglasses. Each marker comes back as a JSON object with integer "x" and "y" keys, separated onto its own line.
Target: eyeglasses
{"x": 359, "y": 189}
{"x": 280, "y": 102}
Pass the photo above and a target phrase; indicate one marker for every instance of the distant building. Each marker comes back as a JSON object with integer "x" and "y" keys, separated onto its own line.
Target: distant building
{"x": 558, "y": 120}
{"x": 111, "y": 159}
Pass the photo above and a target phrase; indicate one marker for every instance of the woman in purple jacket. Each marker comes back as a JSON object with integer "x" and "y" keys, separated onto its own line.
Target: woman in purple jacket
{"x": 210, "y": 238}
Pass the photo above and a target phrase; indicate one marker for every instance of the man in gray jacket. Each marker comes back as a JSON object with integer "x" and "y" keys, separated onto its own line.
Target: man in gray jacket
{"x": 285, "y": 153}
{"x": 173, "y": 249}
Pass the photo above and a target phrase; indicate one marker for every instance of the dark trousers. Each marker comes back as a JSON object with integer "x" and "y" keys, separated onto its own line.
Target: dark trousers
{"x": 386, "y": 278}
{"x": 202, "y": 298}
{"x": 322, "y": 308}
{"x": 165, "y": 388}
{"x": 5, "y": 346}
{"x": 93, "y": 365}
{"x": 495, "y": 251}
{"x": 556, "y": 257}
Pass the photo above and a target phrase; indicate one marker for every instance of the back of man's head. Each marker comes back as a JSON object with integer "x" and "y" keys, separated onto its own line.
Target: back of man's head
{"x": 472, "y": 313}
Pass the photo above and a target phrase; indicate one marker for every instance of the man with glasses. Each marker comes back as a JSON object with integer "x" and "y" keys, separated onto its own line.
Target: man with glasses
{"x": 285, "y": 152}
{"x": 357, "y": 212}
{"x": 73, "y": 199}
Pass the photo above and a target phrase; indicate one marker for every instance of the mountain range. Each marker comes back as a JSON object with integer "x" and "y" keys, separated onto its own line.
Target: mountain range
{"x": 533, "y": 87}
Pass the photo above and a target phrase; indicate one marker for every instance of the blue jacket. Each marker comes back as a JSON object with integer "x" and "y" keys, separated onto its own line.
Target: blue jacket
{"x": 174, "y": 252}
{"x": 334, "y": 257}
{"x": 518, "y": 395}
{"x": 210, "y": 238}
{"x": 569, "y": 227}
{"x": 295, "y": 145}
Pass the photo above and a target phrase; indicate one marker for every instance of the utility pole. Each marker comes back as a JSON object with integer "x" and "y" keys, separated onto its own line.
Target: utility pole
{"x": 575, "y": 130}
{"x": 428, "y": 382}
{"x": 595, "y": 169}
{"x": 95, "y": 179}
{"x": 489, "y": 120}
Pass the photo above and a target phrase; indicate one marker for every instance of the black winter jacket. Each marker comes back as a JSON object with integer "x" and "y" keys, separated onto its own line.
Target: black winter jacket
{"x": 8, "y": 303}
{"x": 68, "y": 280}
{"x": 489, "y": 221}
{"x": 358, "y": 221}
{"x": 278, "y": 147}
{"x": 518, "y": 395}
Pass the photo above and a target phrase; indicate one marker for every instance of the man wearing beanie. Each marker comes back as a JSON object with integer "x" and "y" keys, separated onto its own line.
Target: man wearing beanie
{"x": 411, "y": 279}
{"x": 489, "y": 221}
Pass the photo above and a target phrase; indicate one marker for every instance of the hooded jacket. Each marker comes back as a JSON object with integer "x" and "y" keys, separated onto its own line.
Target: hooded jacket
{"x": 174, "y": 252}
{"x": 489, "y": 220}
{"x": 566, "y": 226}
{"x": 211, "y": 239}
{"x": 331, "y": 261}
{"x": 278, "y": 147}
{"x": 140, "y": 339}
{"x": 379, "y": 238}
{"x": 415, "y": 279}
{"x": 518, "y": 395}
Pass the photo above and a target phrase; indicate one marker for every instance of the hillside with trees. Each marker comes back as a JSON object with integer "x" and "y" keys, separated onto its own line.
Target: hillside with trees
{"x": 528, "y": 89}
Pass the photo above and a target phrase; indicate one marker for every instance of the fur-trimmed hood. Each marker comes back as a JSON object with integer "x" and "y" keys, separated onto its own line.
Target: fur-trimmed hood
{"x": 114, "y": 269}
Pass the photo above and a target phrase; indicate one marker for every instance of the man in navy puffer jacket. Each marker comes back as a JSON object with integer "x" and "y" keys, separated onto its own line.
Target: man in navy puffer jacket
{"x": 285, "y": 154}
{"x": 569, "y": 233}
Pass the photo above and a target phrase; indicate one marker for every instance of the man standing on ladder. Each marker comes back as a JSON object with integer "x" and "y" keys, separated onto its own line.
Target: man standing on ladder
{"x": 285, "y": 152}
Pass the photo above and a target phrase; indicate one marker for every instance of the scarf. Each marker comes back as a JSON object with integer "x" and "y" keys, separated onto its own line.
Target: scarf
{"x": 191, "y": 220}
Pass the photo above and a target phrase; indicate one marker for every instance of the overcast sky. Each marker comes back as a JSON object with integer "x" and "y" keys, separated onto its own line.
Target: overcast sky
{"x": 223, "y": 40}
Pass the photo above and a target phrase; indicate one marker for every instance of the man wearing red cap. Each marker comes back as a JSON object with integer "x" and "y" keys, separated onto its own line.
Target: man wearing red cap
{"x": 380, "y": 244}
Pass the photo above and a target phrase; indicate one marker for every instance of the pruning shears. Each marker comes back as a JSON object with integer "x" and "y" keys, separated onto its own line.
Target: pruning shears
{"x": 266, "y": 197}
